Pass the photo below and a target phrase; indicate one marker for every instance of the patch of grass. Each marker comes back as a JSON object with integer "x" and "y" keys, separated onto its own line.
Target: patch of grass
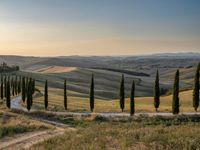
{"x": 128, "y": 135}
{"x": 14, "y": 124}
{"x": 74, "y": 122}
{"x": 11, "y": 130}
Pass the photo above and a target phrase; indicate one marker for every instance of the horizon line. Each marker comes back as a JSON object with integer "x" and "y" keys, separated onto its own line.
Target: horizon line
{"x": 137, "y": 55}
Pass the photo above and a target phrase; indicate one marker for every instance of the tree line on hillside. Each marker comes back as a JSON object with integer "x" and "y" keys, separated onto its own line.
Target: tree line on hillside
{"x": 16, "y": 85}
{"x": 5, "y": 68}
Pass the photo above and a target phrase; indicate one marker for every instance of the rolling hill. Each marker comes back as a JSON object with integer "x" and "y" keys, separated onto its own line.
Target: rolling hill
{"x": 107, "y": 71}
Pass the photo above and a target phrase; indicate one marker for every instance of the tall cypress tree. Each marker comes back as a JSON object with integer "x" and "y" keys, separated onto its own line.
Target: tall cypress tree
{"x": 132, "y": 99}
{"x": 122, "y": 94}
{"x": 19, "y": 85}
{"x": 23, "y": 89}
{"x": 12, "y": 85}
{"x": 5, "y": 88}
{"x": 196, "y": 89}
{"x": 2, "y": 87}
{"x": 157, "y": 92}
{"x": 16, "y": 85}
{"x": 65, "y": 94}
{"x": 26, "y": 85}
{"x": 29, "y": 93}
{"x": 33, "y": 86}
{"x": 175, "y": 102}
{"x": 46, "y": 95}
{"x": 8, "y": 94}
{"x": 92, "y": 94}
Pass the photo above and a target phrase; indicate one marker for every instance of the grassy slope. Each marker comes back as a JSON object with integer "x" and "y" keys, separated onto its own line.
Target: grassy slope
{"x": 107, "y": 82}
{"x": 143, "y": 104}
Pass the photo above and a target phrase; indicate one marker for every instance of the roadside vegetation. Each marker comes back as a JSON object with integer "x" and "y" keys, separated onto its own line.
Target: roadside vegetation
{"x": 152, "y": 133}
{"x": 11, "y": 124}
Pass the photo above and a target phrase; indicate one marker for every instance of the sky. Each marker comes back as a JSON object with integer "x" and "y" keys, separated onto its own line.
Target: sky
{"x": 98, "y": 27}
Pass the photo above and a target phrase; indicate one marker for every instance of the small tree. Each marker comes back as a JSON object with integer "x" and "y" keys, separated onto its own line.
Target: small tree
{"x": 196, "y": 89}
{"x": 132, "y": 99}
{"x": 65, "y": 94}
{"x": 92, "y": 94}
{"x": 8, "y": 94}
{"x": 46, "y": 95}
{"x": 122, "y": 94}
{"x": 175, "y": 102}
{"x": 157, "y": 92}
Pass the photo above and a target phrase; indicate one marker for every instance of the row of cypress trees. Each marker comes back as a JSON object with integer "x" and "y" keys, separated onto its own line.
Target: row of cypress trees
{"x": 26, "y": 86}
{"x": 175, "y": 100}
{"x": 9, "y": 86}
{"x": 13, "y": 86}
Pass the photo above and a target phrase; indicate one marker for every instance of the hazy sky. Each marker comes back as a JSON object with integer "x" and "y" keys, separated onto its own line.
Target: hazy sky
{"x": 98, "y": 27}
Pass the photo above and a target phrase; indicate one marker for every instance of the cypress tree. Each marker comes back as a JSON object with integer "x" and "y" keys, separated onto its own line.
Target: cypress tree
{"x": 46, "y": 95}
{"x": 23, "y": 89}
{"x": 26, "y": 85}
{"x": 8, "y": 94}
{"x": 5, "y": 88}
{"x": 175, "y": 102}
{"x": 12, "y": 87}
{"x": 132, "y": 99}
{"x": 11, "y": 82}
{"x": 28, "y": 101}
{"x": 157, "y": 92}
{"x": 2, "y": 87}
{"x": 31, "y": 91}
{"x": 196, "y": 89}
{"x": 122, "y": 94}
{"x": 65, "y": 94}
{"x": 19, "y": 85}
{"x": 16, "y": 85}
{"x": 33, "y": 86}
{"x": 92, "y": 94}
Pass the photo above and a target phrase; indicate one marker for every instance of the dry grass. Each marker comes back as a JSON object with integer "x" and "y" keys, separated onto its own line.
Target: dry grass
{"x": 11, "y": 124}
{"x": 149, "y": 134}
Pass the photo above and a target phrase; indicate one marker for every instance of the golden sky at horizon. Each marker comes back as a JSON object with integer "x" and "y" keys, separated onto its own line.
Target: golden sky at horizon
{"x": 31, "y": 28}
